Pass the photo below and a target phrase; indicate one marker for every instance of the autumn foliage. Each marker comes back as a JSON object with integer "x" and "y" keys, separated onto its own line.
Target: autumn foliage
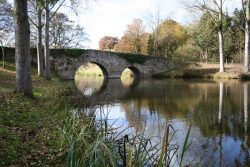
{"x": 107, "y": 43}
{"x": 134, "y": 39}
{"x": 171, "y": 35}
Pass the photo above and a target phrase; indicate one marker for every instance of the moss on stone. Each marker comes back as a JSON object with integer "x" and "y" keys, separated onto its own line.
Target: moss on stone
{"x": 74, "y": 53}
{"x": 134, "y": 58}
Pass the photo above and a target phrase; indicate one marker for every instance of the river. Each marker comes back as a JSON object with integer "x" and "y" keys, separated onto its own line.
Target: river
{"x": 217, "y": 111}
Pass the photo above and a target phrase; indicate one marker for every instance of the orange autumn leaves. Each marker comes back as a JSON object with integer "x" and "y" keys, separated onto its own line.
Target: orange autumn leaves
{"x": 136, "y": 39}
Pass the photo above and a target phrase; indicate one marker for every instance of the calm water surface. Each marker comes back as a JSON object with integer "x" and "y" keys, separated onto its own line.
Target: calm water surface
{"x": 217, "y": 110}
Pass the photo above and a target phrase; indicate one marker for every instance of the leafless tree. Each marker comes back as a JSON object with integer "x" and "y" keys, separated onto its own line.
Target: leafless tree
{"x": 6, "y": 26}
{"x": 246, "y": 9}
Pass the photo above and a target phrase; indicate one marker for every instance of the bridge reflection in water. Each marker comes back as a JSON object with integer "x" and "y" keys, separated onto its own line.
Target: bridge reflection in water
{"x": 218, "y": 112}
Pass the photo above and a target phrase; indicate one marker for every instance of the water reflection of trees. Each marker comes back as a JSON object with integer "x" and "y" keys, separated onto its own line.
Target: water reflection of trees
{"x": 218, "y": 109}
{"x": 205, "y": 104}
{"x": 224, "y": 115}
{"x": 230, "y": 122}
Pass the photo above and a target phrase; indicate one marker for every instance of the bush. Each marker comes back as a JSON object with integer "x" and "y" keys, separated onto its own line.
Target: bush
{"x": 188, "y": 53}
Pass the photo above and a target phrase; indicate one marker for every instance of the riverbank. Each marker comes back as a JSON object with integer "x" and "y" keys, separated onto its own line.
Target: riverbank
{"x": 30, "y": 127}
{"x": 204, "y": 70}
{"x": 49, "y": 129}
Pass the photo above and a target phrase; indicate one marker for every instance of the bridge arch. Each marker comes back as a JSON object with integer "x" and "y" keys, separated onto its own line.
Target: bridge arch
{"x": 130, "y": 76}
{"x": 102, "y": 67}
{"x": 135, "y": 71}
{"x": 104, "y": 70}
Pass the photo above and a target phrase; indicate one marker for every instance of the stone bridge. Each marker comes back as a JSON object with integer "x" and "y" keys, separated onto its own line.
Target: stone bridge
{"x": 112, "y": 64}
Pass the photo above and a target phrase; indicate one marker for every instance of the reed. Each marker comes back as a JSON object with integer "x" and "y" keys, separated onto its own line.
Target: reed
{"x": 93, "y": 142}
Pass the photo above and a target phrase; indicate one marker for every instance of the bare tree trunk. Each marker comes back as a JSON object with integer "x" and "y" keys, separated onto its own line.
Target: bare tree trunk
{"x": 247, "y": 40}
{"x": 240, "y": 53}
{"x": 206, "y": 56}
{"x": 221, "y": 40}
{"x": 22, "y": 52}
{"x": 46, "y": 48}
{"x": 201, "y": 56}
{"x": 39, "y": 42}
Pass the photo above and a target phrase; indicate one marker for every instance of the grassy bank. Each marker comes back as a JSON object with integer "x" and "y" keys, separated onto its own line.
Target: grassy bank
{"x": 30, "y": 128}
{"x": 203, "y": 70}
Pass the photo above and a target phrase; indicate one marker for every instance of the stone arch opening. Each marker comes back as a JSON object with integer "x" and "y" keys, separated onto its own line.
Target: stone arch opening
{"x": 92, "y": 69}
{"x": 104, "y": 71}
{"x": 90, "y": 78}
{"x": 130, "y": 76}
{"x": 132, "y": 72}
{"x": 135, "y": 71}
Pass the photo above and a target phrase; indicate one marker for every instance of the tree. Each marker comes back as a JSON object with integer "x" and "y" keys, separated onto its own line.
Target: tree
{"x": 46, "y": 46}
{"x": 39, "y": 48}
{"x": 171, "y": 36}
{"x": 49, "y": 5}
{"x": 204, "y": 36}
{"x": 6, "y": 26}
{"x": 215, "y": 9}
{"x": 134, "y": 32}
{"x": 22, "y": 43}
{"x": 238, "y": 35}
{"x": 72, "y": 38}
{"x": 132, "y": 39}
{"x": 108, "y": 43}
{"x": 64, "y": 34}
{"x": 144, "y": 43}
{"x": 246, "y": 9}
{"x": 6, "y": 22}
{"x": 37, "y": 10}
{"x": 36, "y": 14}
{"x": 221, "y": 39}
{"x": 154, "y": 20}
{"x": 150, "y": 45}
{"x": 124, "y": 45}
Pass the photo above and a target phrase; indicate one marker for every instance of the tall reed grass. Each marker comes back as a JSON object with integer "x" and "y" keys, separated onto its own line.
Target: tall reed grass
{"x": 94, "y": 142}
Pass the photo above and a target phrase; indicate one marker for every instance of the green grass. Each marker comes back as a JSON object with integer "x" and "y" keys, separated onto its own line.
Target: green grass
{"x": 8, "y": 66}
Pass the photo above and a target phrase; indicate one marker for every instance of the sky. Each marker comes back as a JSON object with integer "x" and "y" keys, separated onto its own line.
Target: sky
{"x": 111, "y": 17}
